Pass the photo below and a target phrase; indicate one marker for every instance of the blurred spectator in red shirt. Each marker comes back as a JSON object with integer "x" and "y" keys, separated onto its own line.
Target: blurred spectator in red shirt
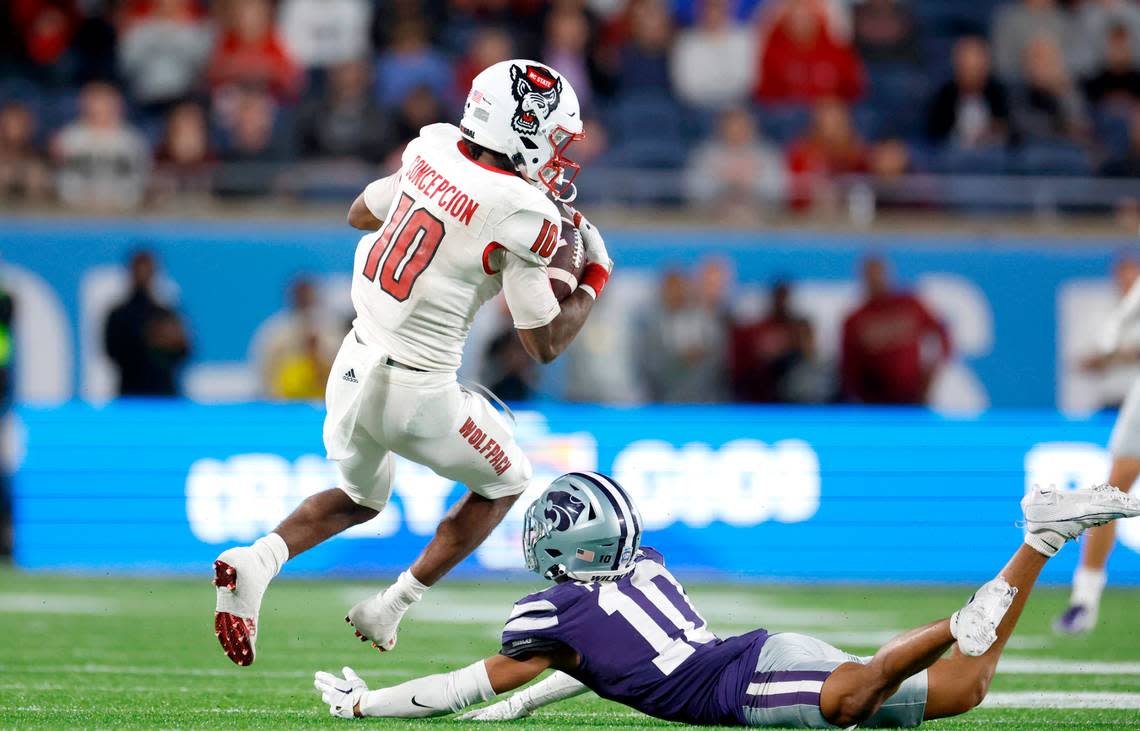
{"x": 23, "y": 172}
{"x": 831, "y": 147}
{"x": 45, "y": 29}
{"x": 249, "y": 53}
{"x": 802, "y": 59}
{"x": 892, "y": 344}
{"x": 764, "y": 352}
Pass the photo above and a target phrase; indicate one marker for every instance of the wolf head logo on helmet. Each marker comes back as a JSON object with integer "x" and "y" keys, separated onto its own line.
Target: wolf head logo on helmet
{"x": 562, "y": 509}
{"x": 527, "y": 111}
{"x": 537, "y": 93}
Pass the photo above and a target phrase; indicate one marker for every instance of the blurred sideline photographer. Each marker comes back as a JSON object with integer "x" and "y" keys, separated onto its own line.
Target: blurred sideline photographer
{"x": 144, "y": 338}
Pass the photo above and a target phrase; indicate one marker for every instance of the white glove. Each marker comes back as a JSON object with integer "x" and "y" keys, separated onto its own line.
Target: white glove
{"x": 592, "y": 239}
{"x": 342, "y": 694}
{"x": 505, "y": 710}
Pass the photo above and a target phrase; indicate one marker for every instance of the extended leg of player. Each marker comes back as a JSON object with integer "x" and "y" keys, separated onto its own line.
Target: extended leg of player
{"x": 317, "y": 519}
{"x": 1091, "y": 576}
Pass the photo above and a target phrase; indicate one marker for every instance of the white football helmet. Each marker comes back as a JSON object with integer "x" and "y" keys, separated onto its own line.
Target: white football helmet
{"x": 528, "y": 112}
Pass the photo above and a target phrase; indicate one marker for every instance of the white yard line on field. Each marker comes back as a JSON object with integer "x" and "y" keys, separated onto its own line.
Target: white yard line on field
{"x": 189, "y": 672}
{"x": 1057, "y": 666}
{"x": 1061, "y": 700}
{"x": 19, "y": 603}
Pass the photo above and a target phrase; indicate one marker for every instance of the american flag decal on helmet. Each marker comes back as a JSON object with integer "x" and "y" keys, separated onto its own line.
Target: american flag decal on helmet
{"x": 584, "y": 554}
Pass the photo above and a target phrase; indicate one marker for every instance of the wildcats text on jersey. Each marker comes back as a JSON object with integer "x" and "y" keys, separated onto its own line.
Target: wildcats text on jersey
{"x": 449, "y": 197}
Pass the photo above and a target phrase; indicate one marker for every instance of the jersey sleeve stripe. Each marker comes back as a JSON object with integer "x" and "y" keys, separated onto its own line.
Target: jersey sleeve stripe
{"x": 529, "y": 624}
{"x": 540, "y": 605}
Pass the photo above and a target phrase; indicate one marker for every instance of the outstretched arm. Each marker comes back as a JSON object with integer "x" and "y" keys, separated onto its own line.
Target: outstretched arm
{"x": 558, "y": 687}
{"x": 434, "y": 695}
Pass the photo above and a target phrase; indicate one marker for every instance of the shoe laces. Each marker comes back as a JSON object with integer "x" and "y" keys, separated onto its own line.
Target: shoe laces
{"x": 1111, "y": 493}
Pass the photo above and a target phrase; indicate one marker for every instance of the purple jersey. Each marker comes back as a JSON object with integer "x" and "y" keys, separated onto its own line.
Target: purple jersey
{"x": 642, "y": 643}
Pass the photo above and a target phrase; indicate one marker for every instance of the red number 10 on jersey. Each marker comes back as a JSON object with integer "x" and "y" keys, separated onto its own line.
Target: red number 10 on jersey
{"x": 389, "y": 255}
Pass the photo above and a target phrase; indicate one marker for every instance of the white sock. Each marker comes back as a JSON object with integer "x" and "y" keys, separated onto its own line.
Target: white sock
{"x": 1039, "y": 544}
{"x": 1088, "y": 585}
{"x": 406, "y": 591}
{"x": 272, "y": 551}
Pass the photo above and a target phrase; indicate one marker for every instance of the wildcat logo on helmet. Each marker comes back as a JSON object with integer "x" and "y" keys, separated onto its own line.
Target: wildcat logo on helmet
{"x": 537, "y": 92}
{"x": 563, "y": 508}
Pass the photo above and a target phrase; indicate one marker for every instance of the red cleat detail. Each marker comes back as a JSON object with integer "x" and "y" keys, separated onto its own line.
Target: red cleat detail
{"x": 225, "y": 576}
{"x": 234, "y": 634}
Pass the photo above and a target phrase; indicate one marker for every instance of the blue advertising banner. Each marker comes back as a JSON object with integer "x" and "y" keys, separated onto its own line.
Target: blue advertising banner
{"x": 738, "y": 493}
{"x": 1019, "y": 311}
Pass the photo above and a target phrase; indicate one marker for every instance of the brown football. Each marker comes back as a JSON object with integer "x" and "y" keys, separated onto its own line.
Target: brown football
{"x": 568, "y": 262}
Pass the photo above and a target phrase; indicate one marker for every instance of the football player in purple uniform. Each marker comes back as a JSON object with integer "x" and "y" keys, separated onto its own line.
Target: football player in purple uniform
{"x": 618, "y": 623}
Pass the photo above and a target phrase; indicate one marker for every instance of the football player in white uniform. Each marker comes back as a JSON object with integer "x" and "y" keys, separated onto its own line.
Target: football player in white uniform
{"x": 1116, "y": 346}
{"x": 471, "y": 211}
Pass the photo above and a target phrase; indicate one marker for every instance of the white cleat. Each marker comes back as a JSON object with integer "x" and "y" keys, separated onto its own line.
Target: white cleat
{"x": 1054, "y": 517}
{"x": 240, "y": 579}
{"x": 377, "y": 618}
{"x": 975, "y": 625}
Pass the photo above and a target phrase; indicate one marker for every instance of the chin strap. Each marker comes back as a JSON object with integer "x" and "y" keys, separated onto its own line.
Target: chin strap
{"x": 568, "y": 197}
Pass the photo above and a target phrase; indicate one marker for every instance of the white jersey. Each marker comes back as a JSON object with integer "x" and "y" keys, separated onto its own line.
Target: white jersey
{"x": 455, "y": 232}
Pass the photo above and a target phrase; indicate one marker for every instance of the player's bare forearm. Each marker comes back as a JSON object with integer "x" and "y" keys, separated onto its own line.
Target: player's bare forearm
{"x": 506, "y": 673}
{"x": 360, "y": 217}
{"x": 546, "y": 343}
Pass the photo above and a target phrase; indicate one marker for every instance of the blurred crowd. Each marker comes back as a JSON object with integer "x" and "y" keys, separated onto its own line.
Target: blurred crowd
{"x": 687, "y": 342}
{"x": 109, "y": 104}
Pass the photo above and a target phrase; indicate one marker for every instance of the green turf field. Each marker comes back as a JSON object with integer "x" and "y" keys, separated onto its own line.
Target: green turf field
{"x": 141, "y": 653}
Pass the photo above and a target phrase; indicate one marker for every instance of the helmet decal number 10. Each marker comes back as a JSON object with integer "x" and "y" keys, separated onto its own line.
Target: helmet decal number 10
{"x": 419, "y": 233}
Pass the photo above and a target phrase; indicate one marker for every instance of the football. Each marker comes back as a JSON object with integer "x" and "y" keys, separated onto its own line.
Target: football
{"x": 568, "y": 262}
